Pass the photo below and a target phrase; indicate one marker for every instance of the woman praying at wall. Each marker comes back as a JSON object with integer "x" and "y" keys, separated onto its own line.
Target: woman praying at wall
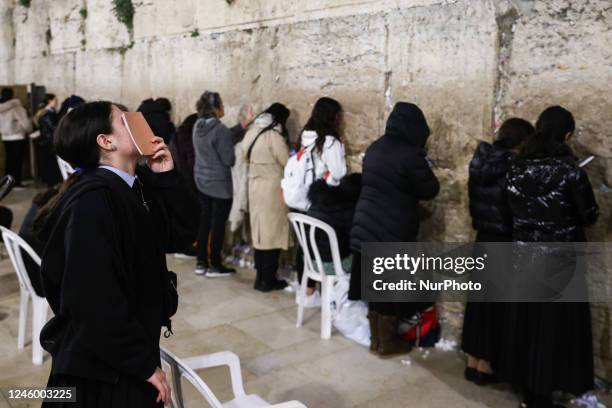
{"x": 548, "y": 347}
{"x": 492, "y": 220}
{"x": 266, "y": 151}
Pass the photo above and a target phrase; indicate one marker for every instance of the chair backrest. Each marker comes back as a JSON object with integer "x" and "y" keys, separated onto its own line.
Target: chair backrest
{"x": 65, "y": 168}
{"x": 305, "y": 228}
{"x": 14, "y": 246}
{"x": 180, "y": 369}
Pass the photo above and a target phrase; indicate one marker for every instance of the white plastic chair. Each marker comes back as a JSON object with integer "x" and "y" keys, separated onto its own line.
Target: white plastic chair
{"x": 305, "y": 228}
{"x": 65, "y": 168}
{"x": 180, "y": 368}
{"x": 14, "y": 245}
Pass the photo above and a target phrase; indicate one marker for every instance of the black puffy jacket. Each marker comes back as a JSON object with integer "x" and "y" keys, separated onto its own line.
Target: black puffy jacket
{"x": 491, "y": 215}
{"x": 551, "y": 198}
{"x": 396, "y": 176}
{"x": 334, "y": 205}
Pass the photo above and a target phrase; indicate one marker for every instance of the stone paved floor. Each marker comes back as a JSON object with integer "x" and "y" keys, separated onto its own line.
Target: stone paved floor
{"x": 279, "y": 361}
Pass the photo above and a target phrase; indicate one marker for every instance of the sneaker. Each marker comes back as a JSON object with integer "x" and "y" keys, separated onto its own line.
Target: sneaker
{"x": 219, "y": 272}
{"x": 201, "y": 269}
{"x": 311, "y": 301}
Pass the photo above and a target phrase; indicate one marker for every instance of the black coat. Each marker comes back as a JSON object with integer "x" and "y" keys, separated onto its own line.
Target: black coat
{"x": 489, "y": 208}
{"x": 396, "y": 176}
{"x": 104, "y": 272}
{"x": 48, "y": 169}
{"x": 551, "y": 198}
{"x": 158, "y": 119}
{"x": 47, "y": 124}
{"x": 334, "y": 205}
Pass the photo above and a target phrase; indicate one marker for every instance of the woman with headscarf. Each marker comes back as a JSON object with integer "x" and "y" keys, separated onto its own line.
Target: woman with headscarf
{"x": 396, "y": 176}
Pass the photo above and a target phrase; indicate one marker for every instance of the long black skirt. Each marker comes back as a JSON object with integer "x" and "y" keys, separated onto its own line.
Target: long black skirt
{"x": 482, "y": 330}
{"x": 547, "y": 347}
{"x": 126, "y": 393}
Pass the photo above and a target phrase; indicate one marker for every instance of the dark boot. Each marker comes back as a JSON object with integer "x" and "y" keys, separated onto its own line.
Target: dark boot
{"x": 373, "y": 318}
{"x": 388, "y": 341}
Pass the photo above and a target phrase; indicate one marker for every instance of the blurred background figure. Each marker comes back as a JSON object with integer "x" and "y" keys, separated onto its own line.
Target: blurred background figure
{"x": 47, "y": 121}
{"x": 14, "y": 126}
{"x": 157, "y": 114}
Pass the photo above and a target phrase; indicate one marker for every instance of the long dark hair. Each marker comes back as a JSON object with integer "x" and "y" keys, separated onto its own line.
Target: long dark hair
{"x": 75, "y": 141}
{"x": 513, "y": 133}
{"x": 48, "y": 98}
{"x": 324, "y": 120}
{"x": 551, "y": 129}
{"x": 280, "y": 114}
{"x": 208, "y": 102}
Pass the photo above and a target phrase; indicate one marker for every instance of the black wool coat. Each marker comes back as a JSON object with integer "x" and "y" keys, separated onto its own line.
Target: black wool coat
{"x": 396, "y": 176}
{"x": 104, "y": 271}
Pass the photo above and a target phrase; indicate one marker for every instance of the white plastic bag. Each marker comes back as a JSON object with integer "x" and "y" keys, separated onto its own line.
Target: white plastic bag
{"x": 350, "y": 317}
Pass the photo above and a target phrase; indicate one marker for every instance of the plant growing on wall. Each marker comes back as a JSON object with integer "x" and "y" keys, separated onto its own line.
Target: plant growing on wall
{"x": 124, "y": 10}
{"x": 25, "y": 3}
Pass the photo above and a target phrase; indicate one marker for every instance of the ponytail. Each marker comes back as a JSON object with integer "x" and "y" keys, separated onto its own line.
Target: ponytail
{"x": 75, "y": 141}
{"x": 551, "y": 130}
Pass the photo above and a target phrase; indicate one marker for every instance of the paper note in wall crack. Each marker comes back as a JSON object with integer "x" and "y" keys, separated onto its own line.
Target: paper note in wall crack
{"x": 140, "y": 132}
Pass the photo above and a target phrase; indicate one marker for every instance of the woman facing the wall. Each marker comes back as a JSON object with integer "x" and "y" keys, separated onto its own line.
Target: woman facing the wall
{"x": 396, "y": 176}
{"x": 266, "y": 153}
{"x": 492, "y": 220}
{"x": 214, "y": 158}
{"x": 322, "y": 136}
{"x": 548, "y": 347}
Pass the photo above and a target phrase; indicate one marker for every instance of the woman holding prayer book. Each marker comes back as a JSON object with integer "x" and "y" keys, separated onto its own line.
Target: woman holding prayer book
{"x": 104, "y": 269}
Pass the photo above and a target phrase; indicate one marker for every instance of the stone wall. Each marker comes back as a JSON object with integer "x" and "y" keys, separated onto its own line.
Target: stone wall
{"x": 469, "y": 64}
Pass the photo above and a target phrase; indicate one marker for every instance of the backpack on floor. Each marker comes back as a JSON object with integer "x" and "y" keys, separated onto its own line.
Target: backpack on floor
{"x": 422, "y": 329}
{"x": 299, "y": 175}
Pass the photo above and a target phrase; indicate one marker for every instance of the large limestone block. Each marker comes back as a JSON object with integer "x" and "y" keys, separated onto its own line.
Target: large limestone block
{"x": 7, "y": 34}
{"x": 214, "y": 14}
{"x": 163, "y": 17}
{"x": 102, "y": 28}
{"x": 66, "y": 24}
{"x": 561, "y": 55}
{"x": 30, "y": 27}
{"x": 99, "y": 74}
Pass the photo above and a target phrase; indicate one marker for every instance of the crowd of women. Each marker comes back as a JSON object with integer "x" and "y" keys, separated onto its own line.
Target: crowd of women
{"x": 524, "y": 186}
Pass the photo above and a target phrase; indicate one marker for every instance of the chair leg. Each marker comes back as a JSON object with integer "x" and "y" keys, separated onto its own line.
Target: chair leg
{"x": 39, "y": 318}
{"x": 326, "y": 322}
{"x": 301, "y": 298}
{"x": 23, "y": 318}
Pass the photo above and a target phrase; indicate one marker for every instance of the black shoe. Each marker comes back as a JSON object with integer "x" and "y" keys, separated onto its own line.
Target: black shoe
{"x": 219, "y": 272}
{"x": 483, "y": 379}
{"x": 270, "y": 286}
{"x": 223, "y": 269}
{"x": 470, "y": 374}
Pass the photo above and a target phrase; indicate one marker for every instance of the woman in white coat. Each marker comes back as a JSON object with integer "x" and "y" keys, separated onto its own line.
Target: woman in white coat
{"x": 322, "y": 134}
